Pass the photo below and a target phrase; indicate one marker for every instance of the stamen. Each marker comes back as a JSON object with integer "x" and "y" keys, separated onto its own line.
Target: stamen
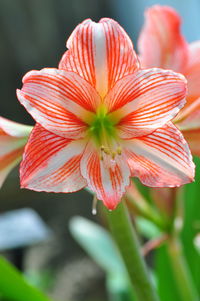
{"x": 107, "y": 151}
{"x": 94, "y": 205}
{"x": 113, "y": 155}
{"x": 119, "y": 150}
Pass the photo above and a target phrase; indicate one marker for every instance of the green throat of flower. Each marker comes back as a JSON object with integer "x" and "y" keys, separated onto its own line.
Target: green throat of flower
{"x": 103, "y": 131}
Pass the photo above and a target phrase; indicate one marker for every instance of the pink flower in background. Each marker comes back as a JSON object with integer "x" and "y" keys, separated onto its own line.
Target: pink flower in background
{"x": 101, "y": 119}
{"x": 161, "y": 44}
{"x": 13, "y": 137}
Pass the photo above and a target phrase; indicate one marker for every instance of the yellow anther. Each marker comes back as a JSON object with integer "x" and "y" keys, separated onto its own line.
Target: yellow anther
{"x": 113, "y": 155}
{"x": 107, "y": 151}
{"x": 119, "y": 151}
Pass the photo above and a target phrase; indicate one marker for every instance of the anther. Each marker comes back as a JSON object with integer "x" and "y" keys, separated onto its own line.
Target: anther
{"x": 106, "y": 151}
{"x": 119, "y": 151}
{"x": 113, "y": 155}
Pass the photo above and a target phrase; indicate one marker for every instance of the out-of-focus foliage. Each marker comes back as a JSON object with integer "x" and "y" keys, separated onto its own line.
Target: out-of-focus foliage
{"x": 191, "y": 228}
{"x": 14, "y": 287}
{"x": 98, "y": 243}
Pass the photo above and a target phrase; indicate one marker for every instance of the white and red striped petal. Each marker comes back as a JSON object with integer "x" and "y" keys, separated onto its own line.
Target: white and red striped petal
{"x": 189, "y": 118}
{"x": 107, "y": 179}
{"x": 101, "y": 53}
{"x": 161, "y": 159}
{"x": 190, "y": 126}
{"x": 8, "y": 162}
{"x": 146, "y": 100}
{"x": 61, "y": 101}
{"x": 161, "y": 43}
{"x": 51, "y": 163}
{"x": 14, "y": 129}
{"x": 13, "y": 137}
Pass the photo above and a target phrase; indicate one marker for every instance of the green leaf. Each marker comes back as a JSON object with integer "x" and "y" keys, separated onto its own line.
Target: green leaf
{"x": 119, "y": 287}
{"x": 97, "y": 243}
{"x": 166, "y": 282}
{"x": 147, "y": 228}
{"x": 14, "y": 287}
{"x": 192, "y": 225}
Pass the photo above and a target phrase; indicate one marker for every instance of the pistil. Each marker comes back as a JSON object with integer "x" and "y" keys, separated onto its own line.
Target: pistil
{"x": 103, "y": 132}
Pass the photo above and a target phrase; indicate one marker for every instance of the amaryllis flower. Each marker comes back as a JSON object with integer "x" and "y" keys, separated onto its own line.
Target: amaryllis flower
{"x": 161, "y": 44}
{"x": 13, "y": 137}
{"x": 101, "y": 119}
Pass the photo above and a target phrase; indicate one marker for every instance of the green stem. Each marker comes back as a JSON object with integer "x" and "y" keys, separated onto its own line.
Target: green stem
{"x": 181, "y": 272}
{"x": 126, "y": 239}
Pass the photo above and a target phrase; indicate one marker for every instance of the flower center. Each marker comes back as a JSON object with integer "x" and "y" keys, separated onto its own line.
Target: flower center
{"x": 103, "y": 131}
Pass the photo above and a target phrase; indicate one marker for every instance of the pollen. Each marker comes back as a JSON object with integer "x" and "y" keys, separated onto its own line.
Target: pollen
{"x": 103, "y": 132}
{"x": 108, "y": 150}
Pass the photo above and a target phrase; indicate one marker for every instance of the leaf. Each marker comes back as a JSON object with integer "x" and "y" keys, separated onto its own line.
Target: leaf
{"x": 192, "y": 225}
{"x": 14, "y": 287}
{"x": 191, "y": 228}
{"x": 119, "y": 288}
{"x": 166, "y": 282}
{"x": 99, "y": 245}
{"x": 147, "y": 228}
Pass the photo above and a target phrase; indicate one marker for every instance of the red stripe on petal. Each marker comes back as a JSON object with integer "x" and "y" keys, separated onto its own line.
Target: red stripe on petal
{"x": 108, "y": 181}
{"x": 60, "y": 101}
{"x": 146, "y": 100}
{"x": 80, "y": 56}
{"x": 51, "y": 163}
{"x": 101, "y": 53}
{"x": 161, "y": 159}
{"x": 121, "y": 57}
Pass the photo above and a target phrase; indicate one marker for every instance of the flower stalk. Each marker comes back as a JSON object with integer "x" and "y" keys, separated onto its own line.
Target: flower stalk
{"x": 127, "y": 242}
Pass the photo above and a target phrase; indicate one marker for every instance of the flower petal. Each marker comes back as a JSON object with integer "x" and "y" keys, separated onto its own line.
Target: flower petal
{"x": 146, "y": 100}
{"x": 101, "y": 53}
{"x": 107, "y": 181}
{"x": 190, "y": 126}
{"x": 8, "y": 162}
{"x": 14, "y": 129}
{"x": 13, "y": 137}
{"x": 51, "y": 163}
{"x": 60, "y": 101}
{"x": 161, "y": 159}
{"x": 161, "y": 43}
{"x": 189, "y": 119}
{"x": 193, "y": 71}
